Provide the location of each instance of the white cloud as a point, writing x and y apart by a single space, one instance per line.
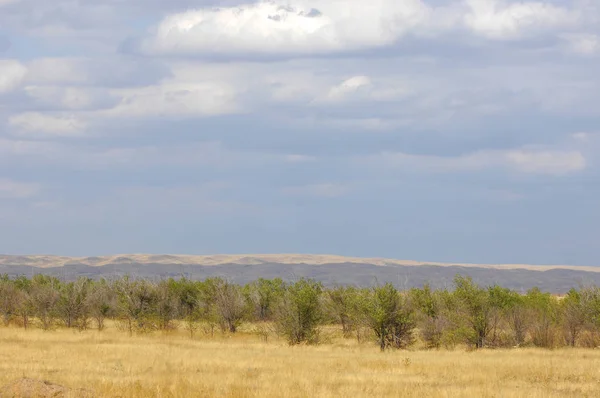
363 88
281 27
176 99
348 88
582 43
12 74
547 162
496 19
39 124
17 190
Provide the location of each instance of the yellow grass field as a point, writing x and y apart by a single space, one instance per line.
113 364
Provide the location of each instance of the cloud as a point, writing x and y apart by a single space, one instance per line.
6 2
39 124
547 162
500 20
176 99
541 162
349 88
297 27
10 189
72 98
58 70
12 74
311 27
363 88
586 44
108 71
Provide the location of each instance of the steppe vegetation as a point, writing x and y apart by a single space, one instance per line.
138 338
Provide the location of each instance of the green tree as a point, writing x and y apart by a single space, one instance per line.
300 312
431 318
544 315
262 296
476 310
340 303
390 317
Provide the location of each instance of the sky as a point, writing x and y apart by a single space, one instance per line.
433 130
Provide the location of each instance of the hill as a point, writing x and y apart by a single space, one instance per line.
329 269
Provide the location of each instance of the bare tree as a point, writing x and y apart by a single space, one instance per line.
101 303
230 304
9 300
72 305
44 297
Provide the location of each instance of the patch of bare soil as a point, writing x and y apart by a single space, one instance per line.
32 388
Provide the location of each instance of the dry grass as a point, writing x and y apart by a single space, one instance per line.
113 364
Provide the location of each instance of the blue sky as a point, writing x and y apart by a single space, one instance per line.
464 130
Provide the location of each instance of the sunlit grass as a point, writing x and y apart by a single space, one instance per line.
111 363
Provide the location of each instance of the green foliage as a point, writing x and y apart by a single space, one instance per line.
341 303
544 310
432 320
300 312
389 316
261 297
476 309
480 317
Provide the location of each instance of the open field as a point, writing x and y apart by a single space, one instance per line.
112 364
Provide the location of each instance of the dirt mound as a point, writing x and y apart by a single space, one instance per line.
32 388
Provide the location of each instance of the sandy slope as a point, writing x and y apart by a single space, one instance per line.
244 259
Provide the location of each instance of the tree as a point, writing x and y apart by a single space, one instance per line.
503 304
24 307
574 316
167 306
262 296
544 314
189 303
340 304
101 302
9 300
430 316
518 317
390 317
300 312
477 310
44 298
72 305
230 304
136 304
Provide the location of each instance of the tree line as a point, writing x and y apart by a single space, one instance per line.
465 314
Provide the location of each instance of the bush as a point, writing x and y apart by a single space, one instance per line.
300 312
390 318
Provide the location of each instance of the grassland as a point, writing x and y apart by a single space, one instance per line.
113 364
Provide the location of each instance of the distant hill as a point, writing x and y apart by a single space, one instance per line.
331 270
